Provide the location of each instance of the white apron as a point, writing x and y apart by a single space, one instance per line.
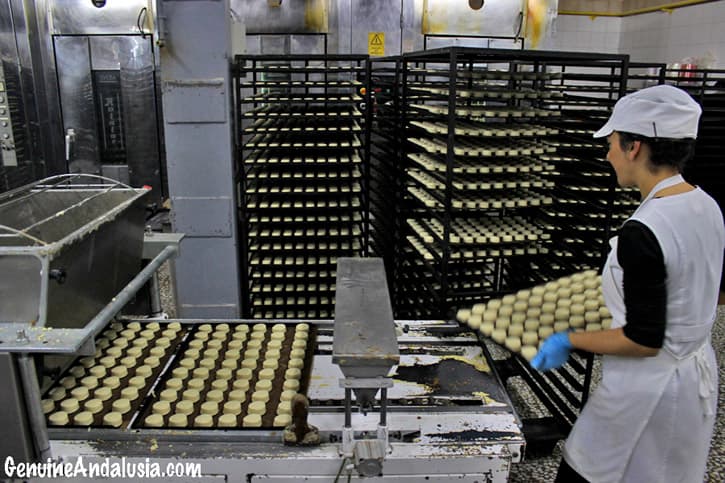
651 418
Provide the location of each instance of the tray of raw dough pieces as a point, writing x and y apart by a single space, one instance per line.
106 389
232 376
522 321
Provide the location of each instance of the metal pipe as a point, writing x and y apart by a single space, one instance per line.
155 290
348 407
383 406
128 292
33 405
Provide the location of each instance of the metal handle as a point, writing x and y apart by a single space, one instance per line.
70 139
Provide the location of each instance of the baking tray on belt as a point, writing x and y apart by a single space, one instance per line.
174 353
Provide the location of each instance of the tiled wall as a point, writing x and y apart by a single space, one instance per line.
696 32
582 34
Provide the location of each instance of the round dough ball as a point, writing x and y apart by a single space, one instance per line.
531 325
561 326
291 385
137 381
186 362
250 363
234 347
196 384
284 407
174 383
69 405
593 327
550 297
81 393
163 342
545 332
474 321
539 290
120 342
258 336
533 313
578 298
208 363
292 374
478 309
257 407
154 421
152 361
209 407
161 408
489 316
297 363
552 286
224 374
217 396
220 384
180 372
244 373
174 326
244 328
548 308
604 313
78 371
107 362
228 420
493 305
535 301
503 323
606 323
112 381
94 406
260 396
232 407
205 328
546 319
563 303
520 306
282 420
279 328
168 395
515 330
591 294
263 385
240 336
237 395
505 311
185 407
277 344
59 418
561 314
530 338
301 344
487 329
578 278
130 393
254 344
134 352
577 309
241 384
48 405
259 328
287 395
113 419
83 418
219 336
523 295
120 372
564 293
576 321
90 382
513 344
121 406
143 371
528 352
252 420
591 283
591 317
499 335
200 373
591 305
178 420
577 288
508 299
462 315
564 281
191 395
518 318
297 354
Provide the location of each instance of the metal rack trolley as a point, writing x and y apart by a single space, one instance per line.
302 170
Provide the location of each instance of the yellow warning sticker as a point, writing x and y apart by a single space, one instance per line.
376 43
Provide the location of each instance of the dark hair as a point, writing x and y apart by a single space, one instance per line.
664 151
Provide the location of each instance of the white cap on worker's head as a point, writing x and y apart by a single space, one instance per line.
657 112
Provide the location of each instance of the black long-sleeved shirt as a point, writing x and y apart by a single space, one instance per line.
644 284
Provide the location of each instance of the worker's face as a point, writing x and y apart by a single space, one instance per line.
621 160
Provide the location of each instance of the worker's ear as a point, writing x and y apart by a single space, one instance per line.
633 150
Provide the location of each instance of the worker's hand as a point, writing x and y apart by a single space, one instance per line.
553 353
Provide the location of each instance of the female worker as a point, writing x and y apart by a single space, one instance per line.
651 418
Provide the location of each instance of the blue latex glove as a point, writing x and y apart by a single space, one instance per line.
553 353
